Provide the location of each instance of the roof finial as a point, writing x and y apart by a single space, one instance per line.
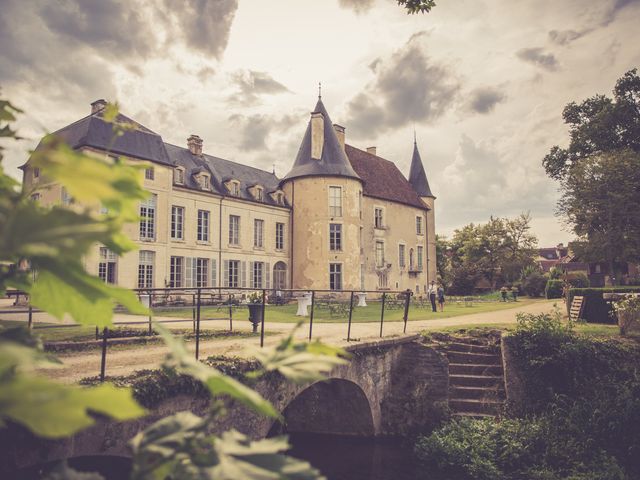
274 169
415 139
319 90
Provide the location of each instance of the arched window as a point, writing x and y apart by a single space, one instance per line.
279 276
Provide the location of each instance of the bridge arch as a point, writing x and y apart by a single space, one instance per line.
334 406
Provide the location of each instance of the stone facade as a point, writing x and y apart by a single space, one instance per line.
222 224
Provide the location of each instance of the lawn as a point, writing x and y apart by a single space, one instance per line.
590 329
371 313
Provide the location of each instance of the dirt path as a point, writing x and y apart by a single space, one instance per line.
123 361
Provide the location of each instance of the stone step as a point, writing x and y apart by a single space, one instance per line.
488 393
470 340
475 358
475 406
475 380
474 369
470 348
475 415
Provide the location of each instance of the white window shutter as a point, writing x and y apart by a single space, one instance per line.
267 275
225 274
243 283
214 273
251 284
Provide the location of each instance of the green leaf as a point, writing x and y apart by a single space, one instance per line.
217 383
299 362
53 410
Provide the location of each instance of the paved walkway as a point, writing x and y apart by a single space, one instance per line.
76 366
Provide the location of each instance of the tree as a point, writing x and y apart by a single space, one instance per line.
599 125
417 6
601 203
442 260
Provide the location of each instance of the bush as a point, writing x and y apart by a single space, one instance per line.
533 284
578 280
554 288
595 309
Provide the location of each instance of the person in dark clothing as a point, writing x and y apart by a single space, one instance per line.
441 298
432 296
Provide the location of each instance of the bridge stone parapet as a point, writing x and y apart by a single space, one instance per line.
390 387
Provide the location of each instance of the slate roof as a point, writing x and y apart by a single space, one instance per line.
93 131
222 170
382 179
417 175
334 162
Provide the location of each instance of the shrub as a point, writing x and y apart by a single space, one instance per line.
533 284
554 288
595 309
578 280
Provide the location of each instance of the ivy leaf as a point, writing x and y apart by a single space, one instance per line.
20 350
299 362
217 383
53 410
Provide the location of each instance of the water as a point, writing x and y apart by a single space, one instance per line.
356 458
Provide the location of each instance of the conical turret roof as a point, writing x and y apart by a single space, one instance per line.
417 175
333 161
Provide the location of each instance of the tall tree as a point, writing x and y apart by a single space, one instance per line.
598 125
601 202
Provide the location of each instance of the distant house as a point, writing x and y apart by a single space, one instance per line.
564 259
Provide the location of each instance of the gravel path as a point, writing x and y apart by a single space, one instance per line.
76 366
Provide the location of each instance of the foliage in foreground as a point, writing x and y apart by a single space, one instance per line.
581 419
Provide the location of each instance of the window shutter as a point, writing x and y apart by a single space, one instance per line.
267 271
251 284
225 274
189 270
214 273
243 282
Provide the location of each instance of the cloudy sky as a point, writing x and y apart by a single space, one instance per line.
483 82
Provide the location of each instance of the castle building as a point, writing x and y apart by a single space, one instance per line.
341 219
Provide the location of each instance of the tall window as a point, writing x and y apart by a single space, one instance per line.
234 188
335 201
379 254
258 233
234 230
202 272
149 174
257 275
176 272
107 266
419 259
178 176
378 218
203 226
148 218
419 225
234 273
335 276
401 249
177 222
145 269
382 280
411 259
259 194
279 236
335 237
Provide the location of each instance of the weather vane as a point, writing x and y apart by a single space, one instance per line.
319 89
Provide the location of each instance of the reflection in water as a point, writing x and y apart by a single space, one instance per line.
356 458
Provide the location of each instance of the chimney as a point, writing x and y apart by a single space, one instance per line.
194 142
339 129
371 150
98 105
317 135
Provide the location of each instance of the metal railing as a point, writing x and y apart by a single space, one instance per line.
335 303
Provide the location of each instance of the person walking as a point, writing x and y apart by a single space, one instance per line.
503 291
515 292
441 297
432 296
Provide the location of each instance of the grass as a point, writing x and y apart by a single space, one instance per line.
371 313
590 329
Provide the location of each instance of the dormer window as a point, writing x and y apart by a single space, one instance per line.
259 194
178 176
234 187
203 181
278 197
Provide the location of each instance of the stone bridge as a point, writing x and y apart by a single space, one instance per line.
390 387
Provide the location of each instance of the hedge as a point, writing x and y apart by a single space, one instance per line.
595 309
553 289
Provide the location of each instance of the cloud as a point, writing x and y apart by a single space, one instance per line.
485 99
358 6
565 37
251 85
203 24
255 130
538 57
408 87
